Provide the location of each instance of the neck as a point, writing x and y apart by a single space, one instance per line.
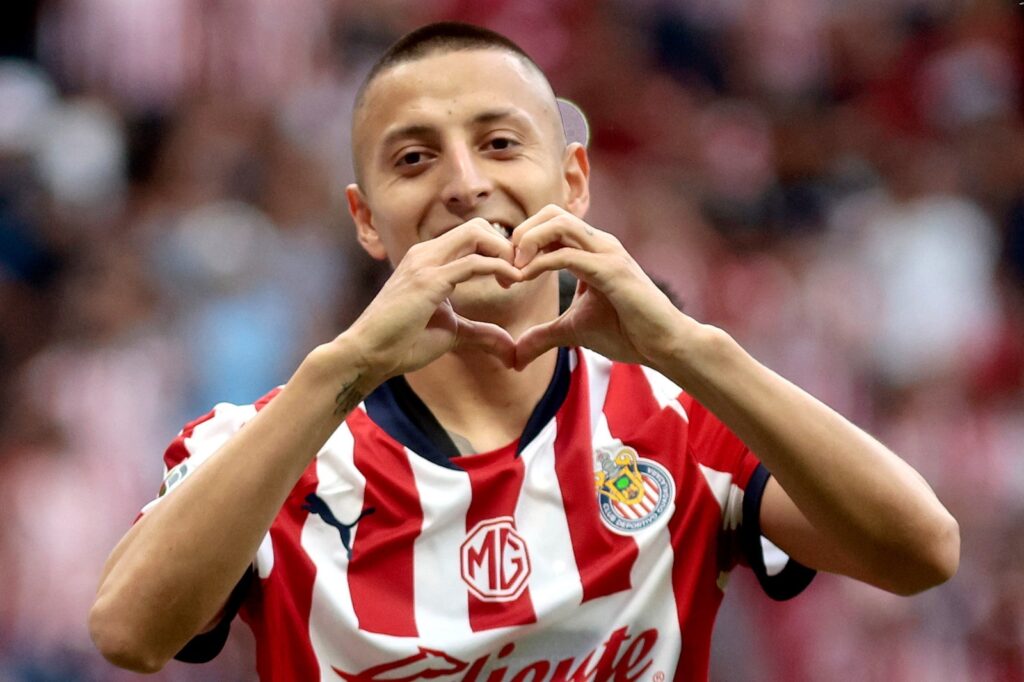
481 400
473 395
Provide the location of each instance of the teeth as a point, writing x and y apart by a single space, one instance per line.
504 231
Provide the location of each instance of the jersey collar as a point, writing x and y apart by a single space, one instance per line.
396 408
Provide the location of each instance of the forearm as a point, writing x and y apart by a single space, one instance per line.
174 570
863 499
871 514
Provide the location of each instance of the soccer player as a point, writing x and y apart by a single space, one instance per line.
468 484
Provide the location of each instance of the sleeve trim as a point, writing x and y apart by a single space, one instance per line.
794 576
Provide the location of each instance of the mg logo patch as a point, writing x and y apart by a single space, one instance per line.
495 561
632 493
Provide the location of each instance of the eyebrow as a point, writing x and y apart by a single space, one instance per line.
423 130
495 115
415 130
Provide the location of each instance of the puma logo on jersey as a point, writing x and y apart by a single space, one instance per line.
315 505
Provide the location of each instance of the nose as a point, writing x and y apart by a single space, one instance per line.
466 184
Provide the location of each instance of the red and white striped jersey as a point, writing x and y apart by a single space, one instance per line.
597 546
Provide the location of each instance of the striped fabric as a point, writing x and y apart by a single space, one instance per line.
504 566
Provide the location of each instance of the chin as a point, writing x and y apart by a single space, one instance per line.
484 300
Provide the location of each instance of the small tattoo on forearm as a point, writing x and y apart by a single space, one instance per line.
348 397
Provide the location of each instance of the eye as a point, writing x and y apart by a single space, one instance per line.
501 144
413 157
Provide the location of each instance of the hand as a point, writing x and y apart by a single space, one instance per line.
410 322
617 311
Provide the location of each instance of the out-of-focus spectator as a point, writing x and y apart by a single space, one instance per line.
80 158
838 185
89 412
930 254
149 55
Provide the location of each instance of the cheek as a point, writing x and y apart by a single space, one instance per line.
397 243
536 190
548 193
398 219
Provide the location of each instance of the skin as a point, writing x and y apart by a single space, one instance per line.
471 319
456 166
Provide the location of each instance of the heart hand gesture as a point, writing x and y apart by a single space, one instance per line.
617 311
410 322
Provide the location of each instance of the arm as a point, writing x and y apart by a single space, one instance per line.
839 501
173 571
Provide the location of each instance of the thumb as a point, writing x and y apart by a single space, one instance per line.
535 341
485 337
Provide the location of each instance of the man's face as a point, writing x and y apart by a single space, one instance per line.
455 136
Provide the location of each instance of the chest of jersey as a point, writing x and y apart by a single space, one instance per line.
589 554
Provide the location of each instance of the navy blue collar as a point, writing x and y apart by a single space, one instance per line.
399 411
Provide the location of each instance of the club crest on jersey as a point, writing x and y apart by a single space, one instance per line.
632 493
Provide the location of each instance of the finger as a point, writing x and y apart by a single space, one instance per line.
542 216
586 266
560 230
538 340
535 234
476 265
474 236
486 337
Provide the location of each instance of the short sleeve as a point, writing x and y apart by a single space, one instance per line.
196 442
738 481
190 449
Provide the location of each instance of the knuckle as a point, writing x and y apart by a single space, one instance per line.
415 252
422 277
483 232
417 282
559 220
623 262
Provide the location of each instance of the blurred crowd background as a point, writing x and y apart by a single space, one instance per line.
838 184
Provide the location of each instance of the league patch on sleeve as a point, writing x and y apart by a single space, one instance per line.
632 492
174 477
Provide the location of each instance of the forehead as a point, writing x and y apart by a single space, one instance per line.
443 87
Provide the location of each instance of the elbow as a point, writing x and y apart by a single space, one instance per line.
945 551
936 561
116 641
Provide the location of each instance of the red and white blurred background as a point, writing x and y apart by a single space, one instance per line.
838 184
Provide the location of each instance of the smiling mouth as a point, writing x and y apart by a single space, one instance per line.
502 229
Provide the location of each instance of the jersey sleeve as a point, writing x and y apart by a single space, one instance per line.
189 450
196 442
738 481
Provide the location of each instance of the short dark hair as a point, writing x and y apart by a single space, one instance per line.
441 36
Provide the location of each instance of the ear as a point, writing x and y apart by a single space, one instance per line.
366 233
576 173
